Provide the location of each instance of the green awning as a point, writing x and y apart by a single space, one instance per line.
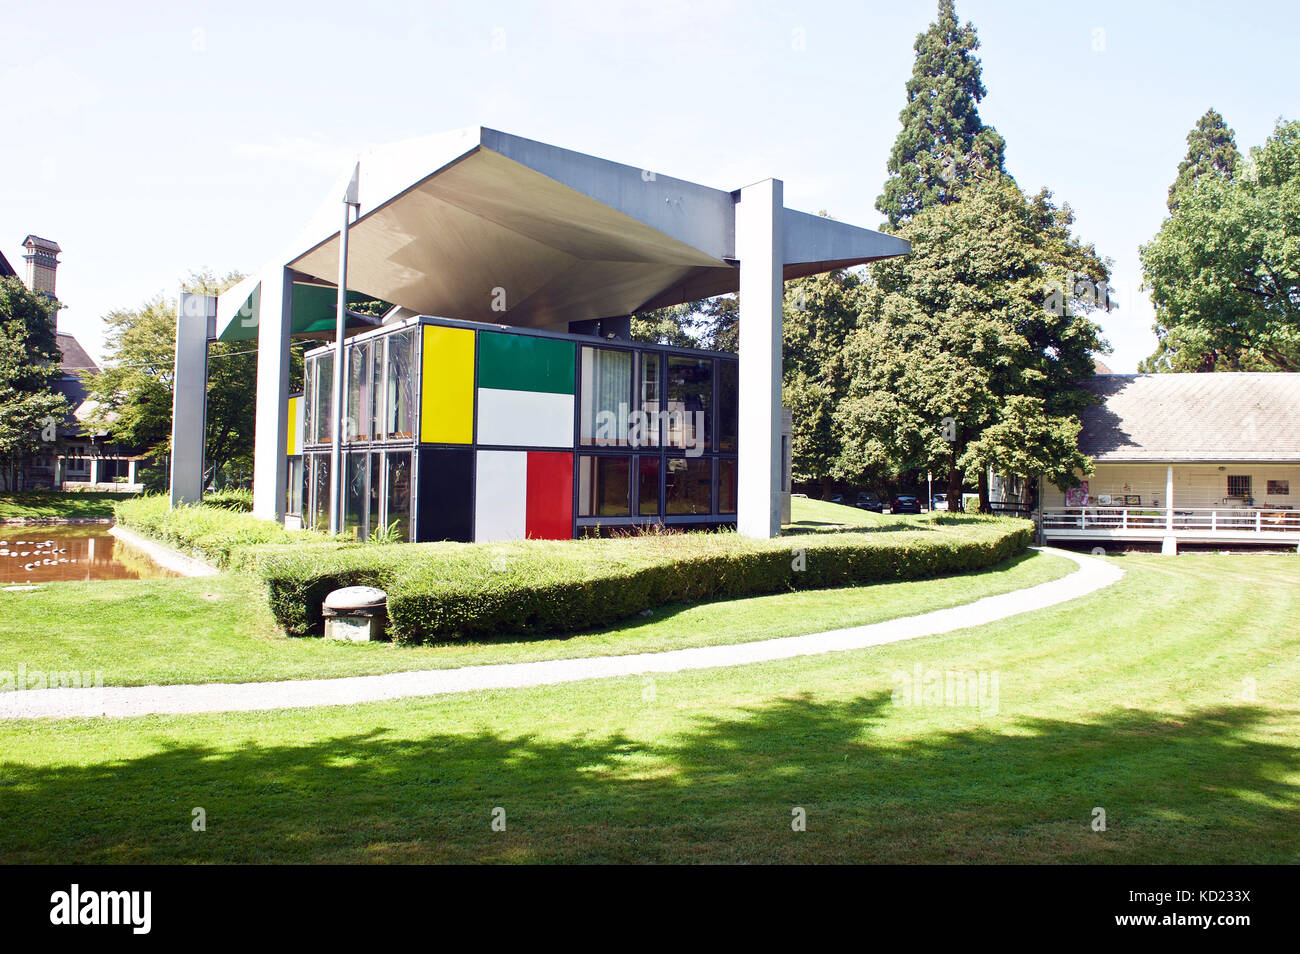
313 312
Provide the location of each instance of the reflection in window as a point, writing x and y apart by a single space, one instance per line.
603 486
726 486
688 485
373 524
690 402
293 499
651 398
399 413
308 401
354 505
324 397
304 491
647 485
377 390
321 492
606 396
728 404
357 419
399 492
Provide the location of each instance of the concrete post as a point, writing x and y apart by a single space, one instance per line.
271 434
94 471
189 396
759 215
1169 546
1169 497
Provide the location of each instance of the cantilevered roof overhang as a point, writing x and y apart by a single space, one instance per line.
480 225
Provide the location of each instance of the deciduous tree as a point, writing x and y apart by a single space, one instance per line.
30 408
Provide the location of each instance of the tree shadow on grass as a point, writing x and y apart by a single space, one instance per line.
1198 787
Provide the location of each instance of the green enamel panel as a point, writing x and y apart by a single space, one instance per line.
524 363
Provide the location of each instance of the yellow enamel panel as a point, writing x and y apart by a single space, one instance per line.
447 386
295 406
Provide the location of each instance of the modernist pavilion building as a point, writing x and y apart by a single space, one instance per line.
500 395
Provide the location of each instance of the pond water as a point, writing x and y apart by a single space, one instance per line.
49 554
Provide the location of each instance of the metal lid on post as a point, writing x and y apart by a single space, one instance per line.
356 598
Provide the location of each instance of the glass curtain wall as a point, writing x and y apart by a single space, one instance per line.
380 395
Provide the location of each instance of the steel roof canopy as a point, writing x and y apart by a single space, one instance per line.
481 225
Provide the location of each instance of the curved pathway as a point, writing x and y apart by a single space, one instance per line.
116 702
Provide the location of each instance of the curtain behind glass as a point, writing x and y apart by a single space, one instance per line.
607 391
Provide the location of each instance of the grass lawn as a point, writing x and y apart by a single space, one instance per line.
218 629
1170 700
809 514
39 504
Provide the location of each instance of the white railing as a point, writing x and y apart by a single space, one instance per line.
1260 520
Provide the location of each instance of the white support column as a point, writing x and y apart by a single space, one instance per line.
1169 497
189 396
270 440
94 471
1169 546
759 247
130 470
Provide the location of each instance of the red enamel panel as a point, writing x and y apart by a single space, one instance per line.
550 496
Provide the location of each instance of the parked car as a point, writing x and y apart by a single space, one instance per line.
869 501
905 503
939 502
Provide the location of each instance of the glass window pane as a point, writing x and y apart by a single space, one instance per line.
324 397
726 486
401 386
648 486
688 487
304 490
321 492
354 505
376 482
603 486
728 404
606 396
399 492
357 421
690 403
309 401
651 384
377 390
293 497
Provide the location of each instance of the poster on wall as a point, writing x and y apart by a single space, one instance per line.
1077 496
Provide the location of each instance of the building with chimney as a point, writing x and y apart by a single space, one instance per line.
77 459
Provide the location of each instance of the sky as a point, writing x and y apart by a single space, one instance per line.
155 139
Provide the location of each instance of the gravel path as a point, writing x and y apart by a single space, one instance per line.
116 702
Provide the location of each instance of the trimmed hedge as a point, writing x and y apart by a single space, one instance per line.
439 592
221 536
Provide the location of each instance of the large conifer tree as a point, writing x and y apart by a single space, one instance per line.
943 144
1211 150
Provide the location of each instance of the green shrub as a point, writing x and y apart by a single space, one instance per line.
223 537
441 592
238 500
